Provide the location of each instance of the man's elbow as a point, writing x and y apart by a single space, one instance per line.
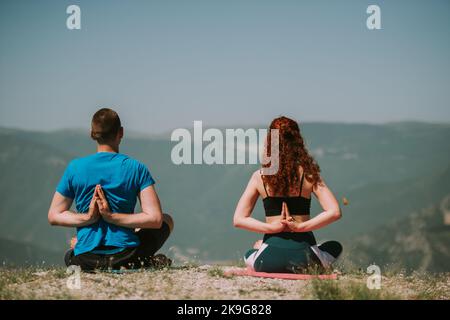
237 223
158 222
51 219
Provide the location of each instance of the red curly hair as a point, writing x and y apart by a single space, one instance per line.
292 155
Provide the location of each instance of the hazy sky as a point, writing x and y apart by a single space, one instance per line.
164 64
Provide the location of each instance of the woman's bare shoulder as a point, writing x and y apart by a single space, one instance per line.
257 181
256 176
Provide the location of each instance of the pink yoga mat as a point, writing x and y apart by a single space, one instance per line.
286 276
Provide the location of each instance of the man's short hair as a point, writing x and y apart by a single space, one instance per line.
105 126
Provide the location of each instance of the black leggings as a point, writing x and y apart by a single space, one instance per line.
151 240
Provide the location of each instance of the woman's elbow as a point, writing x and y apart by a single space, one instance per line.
337 214
237 223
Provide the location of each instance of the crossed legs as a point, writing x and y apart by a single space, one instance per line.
151 240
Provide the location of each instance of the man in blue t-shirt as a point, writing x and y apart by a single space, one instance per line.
105 187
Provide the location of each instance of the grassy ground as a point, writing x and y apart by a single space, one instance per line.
210 282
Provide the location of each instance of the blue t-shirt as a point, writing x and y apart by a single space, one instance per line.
121 178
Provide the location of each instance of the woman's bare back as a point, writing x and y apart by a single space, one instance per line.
306 192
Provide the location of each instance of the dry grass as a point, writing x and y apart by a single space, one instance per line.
209 282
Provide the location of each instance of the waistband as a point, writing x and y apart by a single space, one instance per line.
107 250
292 240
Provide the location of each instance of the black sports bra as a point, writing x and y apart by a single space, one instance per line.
297 205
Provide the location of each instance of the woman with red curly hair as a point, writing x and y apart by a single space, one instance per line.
289 245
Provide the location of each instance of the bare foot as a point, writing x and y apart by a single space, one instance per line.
257 244
73 242
160 261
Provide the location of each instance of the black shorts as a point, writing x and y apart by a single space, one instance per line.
151 240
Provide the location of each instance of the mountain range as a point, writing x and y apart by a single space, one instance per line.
388 172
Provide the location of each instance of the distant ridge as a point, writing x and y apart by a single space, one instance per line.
165 135
385 172
16 253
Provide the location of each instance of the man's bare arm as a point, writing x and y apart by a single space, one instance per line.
60 215
151 216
